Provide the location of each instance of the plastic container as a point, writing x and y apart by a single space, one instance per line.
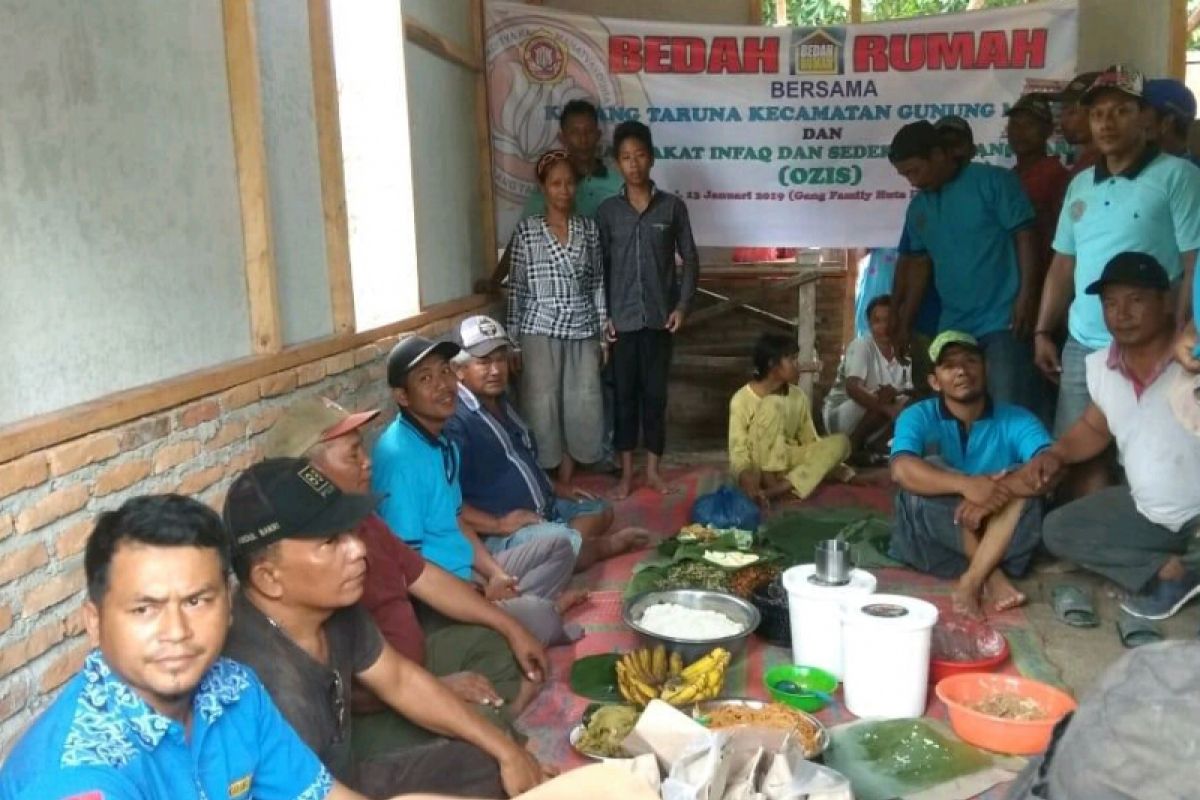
887 656
815 613
807 678
961 644
1012 736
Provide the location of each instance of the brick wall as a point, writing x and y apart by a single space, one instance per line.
50 498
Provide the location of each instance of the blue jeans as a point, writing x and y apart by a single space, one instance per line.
1073 396
530 533
567 510
1011 375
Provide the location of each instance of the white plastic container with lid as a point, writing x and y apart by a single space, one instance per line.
887 655
815 612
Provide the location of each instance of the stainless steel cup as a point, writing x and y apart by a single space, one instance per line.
833 562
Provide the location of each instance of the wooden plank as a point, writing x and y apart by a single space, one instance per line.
848 305
708 271
725 304
806 330
754 15
855 12
1177 56
781 14
44 430
696 360
440 46
245 98
483 139
333 177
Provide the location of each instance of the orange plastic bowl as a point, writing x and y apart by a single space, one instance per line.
1015 737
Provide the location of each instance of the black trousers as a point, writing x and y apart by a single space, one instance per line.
641 362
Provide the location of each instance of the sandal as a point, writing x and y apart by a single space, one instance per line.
1136 631
1073 606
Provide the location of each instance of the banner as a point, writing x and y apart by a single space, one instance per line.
773 136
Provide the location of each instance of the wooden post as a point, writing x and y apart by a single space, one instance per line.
781 15
806 326
483 136
333 177
754 9
855 12
1177 58
245 98
848 327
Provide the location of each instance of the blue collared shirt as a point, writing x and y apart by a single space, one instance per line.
966 227
1006 435
100 741
419 475
500 470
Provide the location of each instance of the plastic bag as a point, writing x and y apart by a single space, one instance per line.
727 507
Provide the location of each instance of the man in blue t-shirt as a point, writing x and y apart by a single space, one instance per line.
959 514
975 224
156 713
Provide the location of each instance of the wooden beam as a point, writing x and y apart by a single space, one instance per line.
848 298
333 176
725 305
806 330
754 9
45 430
855 12
1177 57
440 46
483 139
245 98
781 15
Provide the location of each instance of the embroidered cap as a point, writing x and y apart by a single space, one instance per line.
289 498
309 422
1119 77
1035 105
1132 269
481 336
948 338
1073 92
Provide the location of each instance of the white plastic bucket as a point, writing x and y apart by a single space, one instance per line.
815 613
887 655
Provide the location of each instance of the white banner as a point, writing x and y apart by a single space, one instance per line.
773 136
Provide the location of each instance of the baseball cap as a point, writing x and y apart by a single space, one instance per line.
913 140
1073 92
1169 96
481 336
412 351
289 498
957 124
1119 77
948 338
1035 105
309 421
1132 269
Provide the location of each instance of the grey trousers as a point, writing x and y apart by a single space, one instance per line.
544 568
561 398
925 536
1105 533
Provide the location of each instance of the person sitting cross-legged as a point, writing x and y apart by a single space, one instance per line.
961 512
507 497
483 655
297 622
1136 535
774 449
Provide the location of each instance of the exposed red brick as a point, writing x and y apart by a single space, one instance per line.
310 373
197 413
339 363
50 592
6 618
22 561
216 500
368 352
73 539
240 462
39 641
278 383
265 419
144 431
172 455
64 666
55 505
16 696
240 396
121 476
228 433
23 473
196 482
67 458
6 525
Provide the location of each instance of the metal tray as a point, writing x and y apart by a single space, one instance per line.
770 739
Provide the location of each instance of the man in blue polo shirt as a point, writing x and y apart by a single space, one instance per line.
959 514
417 468
1136 199
974 222
507 497
156 713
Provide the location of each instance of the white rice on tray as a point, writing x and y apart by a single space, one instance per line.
680 622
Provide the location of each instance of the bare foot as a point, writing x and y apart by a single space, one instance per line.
569 599
624 487
1002 595
965 601
655 482
627 540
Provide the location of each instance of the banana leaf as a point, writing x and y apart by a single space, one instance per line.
595 677
796 534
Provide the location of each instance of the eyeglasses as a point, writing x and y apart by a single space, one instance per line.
337 700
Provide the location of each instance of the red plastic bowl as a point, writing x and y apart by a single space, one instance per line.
1016 737
961 645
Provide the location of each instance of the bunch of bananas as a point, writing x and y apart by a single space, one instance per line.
647 674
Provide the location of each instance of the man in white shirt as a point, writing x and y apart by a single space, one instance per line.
1136 534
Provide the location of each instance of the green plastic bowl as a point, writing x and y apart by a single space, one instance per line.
807 678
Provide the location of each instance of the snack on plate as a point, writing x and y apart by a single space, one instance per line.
644 675
693 575
730 558
605 730
1006 705
745 582
775 715
697 532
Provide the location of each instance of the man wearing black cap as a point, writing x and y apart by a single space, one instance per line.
1134 199
1133 534
416 468
1174 112
1073 120
297 622
975 225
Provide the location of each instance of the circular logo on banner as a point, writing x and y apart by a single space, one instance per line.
536 65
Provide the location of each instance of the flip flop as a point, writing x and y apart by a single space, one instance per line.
1073 606
1136 631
